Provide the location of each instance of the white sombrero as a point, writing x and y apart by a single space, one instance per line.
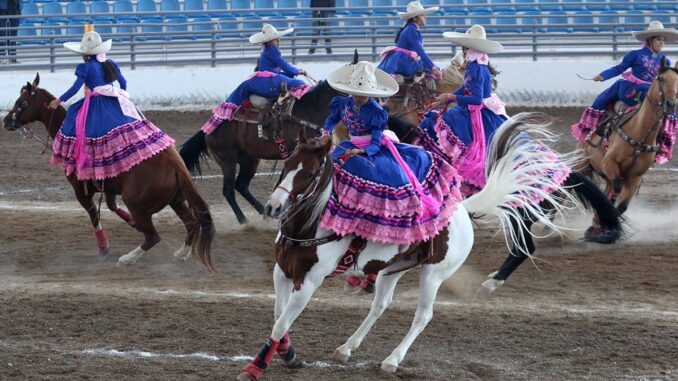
656 29
363 79
268 33
474 38
91 44
415 9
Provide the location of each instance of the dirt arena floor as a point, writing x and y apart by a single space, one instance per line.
586 312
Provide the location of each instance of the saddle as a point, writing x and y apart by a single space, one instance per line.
614 118
260 111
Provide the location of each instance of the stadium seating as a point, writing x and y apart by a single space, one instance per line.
124 6
581 18
259 5
54 10
242 8
507 22
203 24
557 21
479 6
215 8
607 20
291 5
634 20
194 6
75 7
170 6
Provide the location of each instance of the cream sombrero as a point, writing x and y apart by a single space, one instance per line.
363 79
91 44
474 38
415 9
268 33
657 29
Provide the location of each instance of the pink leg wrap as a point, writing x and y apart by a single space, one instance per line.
369 280
102 241
353 281
285 349
256 368
122 213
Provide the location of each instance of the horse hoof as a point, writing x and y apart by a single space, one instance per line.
489 286
340 357
389 368
122 263
602 235
104 252
245 377
293 363
492 275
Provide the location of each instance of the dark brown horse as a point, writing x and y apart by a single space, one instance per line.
146 189
233 144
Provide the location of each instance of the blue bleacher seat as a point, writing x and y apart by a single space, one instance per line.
573 5
101 7
303 25
479 6
663 16
291 5
383 25
624 6
203 24
581 19
507 22
361 4
147 29
402 4
124 6
250 25
454 5
456 17
341 7
435 23
176 28
557 22
51 28
550 5
526 5
194 5
259 5
104 27
75 28
607 20
170 6
355 26
634 20
279 22
124 29
27 30
502 6
668 7
75 7
54 9
531 18
483 19
228 27
383 3
31 9
215 8
242 6
643 7
596 7
147 6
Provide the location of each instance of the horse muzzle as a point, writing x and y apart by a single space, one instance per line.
9 123
669 106
273 209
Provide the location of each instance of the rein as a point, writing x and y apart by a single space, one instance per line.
27 131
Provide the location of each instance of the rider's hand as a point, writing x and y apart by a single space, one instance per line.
444 99
598 78
302 72
355 151
325 139
437 73
54 104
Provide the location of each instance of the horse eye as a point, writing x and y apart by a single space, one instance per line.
24 104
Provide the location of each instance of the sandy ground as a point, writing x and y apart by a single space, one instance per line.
586 312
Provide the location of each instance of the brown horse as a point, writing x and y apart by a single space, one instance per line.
633 146
146 189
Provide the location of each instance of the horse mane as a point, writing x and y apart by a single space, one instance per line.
453 76
664 69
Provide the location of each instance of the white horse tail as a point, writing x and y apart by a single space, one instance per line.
519 167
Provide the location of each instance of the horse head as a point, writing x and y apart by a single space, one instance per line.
305 174
29 107
667 87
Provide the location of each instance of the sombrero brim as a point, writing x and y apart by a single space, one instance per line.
425 11
260 38
77 47
670 35
386 85
485 46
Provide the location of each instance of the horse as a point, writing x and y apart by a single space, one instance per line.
633 145
306 254
146 188
236 144
608 220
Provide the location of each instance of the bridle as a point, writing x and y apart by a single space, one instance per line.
27 131
305 194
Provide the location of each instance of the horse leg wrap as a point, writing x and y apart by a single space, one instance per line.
122 213
368 283
102 241
285 349
256 368
353 281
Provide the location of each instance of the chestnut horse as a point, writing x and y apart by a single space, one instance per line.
306 254
633 146
146 189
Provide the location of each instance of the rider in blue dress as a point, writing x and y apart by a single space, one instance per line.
271 76
409 58
103 134
634 84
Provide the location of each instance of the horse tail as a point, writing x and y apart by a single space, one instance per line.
516 174
593 199
194 150
201 240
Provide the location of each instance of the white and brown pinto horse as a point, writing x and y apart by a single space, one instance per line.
306 254
633 146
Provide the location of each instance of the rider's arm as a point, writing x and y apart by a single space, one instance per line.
377 125
415 40
335 115
471 92
626 63
81 73
286 68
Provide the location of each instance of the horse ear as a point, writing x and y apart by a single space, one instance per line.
327 147
28 86
355 57
301 137
36 81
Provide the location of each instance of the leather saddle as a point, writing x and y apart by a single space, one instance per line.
615 116
260 111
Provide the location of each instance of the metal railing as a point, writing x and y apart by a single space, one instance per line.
223 40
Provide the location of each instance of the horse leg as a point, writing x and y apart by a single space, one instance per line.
296 304
248 168
181 209
627 192
122 213
383 297
515 258
283 290
229 169
86 200
144 222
